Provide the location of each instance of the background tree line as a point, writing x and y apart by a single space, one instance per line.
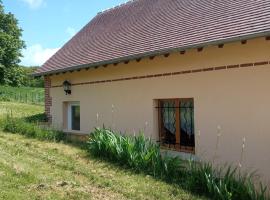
18 76
11 45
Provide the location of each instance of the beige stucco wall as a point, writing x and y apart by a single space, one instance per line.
237 100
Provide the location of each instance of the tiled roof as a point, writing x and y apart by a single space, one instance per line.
142 27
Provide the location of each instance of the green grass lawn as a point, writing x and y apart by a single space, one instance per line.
31 169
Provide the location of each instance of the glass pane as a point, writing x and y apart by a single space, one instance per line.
187 123
169 121
75 117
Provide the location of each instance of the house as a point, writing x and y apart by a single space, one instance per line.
193 75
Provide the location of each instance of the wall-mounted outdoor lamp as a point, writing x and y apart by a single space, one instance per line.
67 87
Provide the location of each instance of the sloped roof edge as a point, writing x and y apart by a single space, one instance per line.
153 53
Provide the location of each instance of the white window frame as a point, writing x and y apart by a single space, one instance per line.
70 104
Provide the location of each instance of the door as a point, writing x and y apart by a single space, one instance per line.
74 116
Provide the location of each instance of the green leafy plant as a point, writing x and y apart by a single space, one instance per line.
143 155
139 153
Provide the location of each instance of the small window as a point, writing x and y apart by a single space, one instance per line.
176 124
74 116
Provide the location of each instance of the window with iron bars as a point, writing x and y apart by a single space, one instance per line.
176 124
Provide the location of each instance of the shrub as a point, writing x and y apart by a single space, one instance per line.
20 126
141 154
36 118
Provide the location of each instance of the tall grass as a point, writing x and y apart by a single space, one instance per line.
139 153
143 155
225 183
32 130
22 94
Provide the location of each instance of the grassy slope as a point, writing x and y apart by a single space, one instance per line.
19 109
20 89
30 169
18 94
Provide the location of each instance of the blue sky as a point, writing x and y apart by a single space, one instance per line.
49 24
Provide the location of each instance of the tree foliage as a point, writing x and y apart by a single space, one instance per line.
22 76
29 80
11 45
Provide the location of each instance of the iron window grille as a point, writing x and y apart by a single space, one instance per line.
176 124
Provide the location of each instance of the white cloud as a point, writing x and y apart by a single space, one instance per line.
34 4
36 55
70 31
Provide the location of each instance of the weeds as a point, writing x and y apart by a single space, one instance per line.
138 153
41 117
141 154
16 125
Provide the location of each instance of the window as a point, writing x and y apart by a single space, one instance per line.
176 124
74 116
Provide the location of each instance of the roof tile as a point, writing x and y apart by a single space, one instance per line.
143 26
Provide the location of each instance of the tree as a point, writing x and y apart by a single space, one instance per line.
15 76
29 80
22 76
11 45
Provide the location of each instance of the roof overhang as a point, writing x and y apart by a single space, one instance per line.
153 53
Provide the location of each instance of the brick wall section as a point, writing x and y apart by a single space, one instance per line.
48 98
